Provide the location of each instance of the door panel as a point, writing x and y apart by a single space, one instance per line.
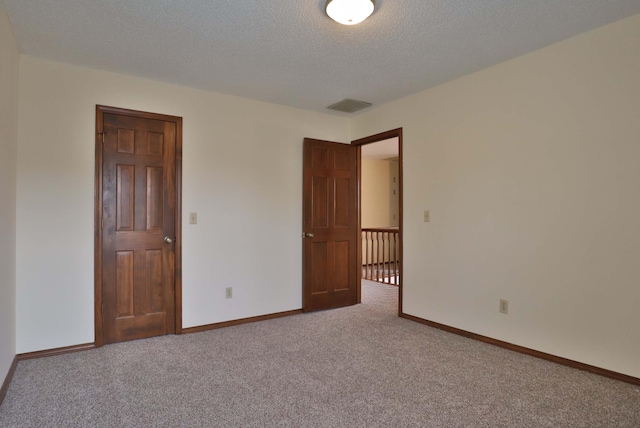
138 211
320 203
341 263
330 274
124 283
342 202
155 191
124 197
319 256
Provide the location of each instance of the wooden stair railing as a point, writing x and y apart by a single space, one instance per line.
380 255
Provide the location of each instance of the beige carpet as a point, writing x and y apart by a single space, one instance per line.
360 366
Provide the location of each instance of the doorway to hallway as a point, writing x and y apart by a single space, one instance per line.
380 208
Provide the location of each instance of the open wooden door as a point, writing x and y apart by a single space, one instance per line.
330 225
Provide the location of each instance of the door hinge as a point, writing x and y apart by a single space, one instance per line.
102 133
102 225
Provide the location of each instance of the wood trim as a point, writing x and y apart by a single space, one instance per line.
240 321
378 137
100 112
359 221
527 351
138 113
381 229
394 133
398 133
7 379
177 298
56 351
97 230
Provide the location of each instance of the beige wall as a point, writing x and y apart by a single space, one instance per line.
376 193
9 67
378 204
242 174
530 170
395 193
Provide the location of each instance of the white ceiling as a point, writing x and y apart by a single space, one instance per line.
289 52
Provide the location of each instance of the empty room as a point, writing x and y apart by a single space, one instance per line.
183 187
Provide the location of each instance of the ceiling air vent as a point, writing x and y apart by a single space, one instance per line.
349 106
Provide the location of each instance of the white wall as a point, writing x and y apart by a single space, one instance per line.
9 68
242 174
531 172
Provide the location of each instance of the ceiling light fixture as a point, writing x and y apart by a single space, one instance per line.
349 12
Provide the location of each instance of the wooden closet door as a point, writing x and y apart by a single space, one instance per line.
138 227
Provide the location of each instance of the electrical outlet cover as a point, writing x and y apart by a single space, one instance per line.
504 306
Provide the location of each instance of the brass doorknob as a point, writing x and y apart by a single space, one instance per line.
168 240
309 235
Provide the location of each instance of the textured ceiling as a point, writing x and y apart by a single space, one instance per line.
289 52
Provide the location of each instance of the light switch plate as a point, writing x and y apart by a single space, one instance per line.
193 218
427 216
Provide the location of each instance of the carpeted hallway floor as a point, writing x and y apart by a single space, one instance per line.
360 366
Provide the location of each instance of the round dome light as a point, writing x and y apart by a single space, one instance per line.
349 12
